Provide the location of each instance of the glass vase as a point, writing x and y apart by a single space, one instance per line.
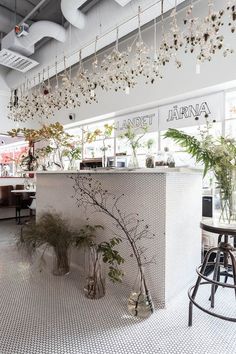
61 261
140 303
133 162
224 211
104 160
95 281
150 161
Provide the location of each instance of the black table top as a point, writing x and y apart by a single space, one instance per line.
218 228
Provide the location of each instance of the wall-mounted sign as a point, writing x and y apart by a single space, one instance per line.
192 112
137 120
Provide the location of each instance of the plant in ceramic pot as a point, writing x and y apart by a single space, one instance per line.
217 154
49 231
134 137
96 255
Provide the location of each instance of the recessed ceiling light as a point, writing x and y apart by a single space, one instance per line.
122 2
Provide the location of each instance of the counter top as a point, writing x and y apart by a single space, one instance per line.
162 170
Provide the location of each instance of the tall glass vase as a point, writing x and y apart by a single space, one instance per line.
133 162
140 303
224 211
104 159
95 281
61 260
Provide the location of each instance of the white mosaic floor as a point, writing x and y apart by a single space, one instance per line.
42 314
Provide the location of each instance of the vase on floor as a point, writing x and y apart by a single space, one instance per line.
95 278
61 261
140 303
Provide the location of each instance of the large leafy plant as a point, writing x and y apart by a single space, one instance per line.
217 154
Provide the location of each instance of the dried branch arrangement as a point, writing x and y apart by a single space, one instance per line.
90 195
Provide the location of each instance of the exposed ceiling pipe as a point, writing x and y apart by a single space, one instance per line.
71 13
37 31
32 11
43 29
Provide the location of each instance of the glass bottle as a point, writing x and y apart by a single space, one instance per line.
140 303
95 280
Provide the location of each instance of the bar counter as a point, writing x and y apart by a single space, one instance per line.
168 199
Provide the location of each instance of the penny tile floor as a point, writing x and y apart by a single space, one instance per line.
43 314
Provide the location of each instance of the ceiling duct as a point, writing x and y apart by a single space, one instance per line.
37 31
42 29
16 61
71 13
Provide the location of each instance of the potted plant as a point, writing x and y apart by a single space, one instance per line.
51 230
217 154
133 137
96 255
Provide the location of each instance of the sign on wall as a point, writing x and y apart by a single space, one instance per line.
191 112
137 120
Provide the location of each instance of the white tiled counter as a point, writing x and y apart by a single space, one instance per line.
169 200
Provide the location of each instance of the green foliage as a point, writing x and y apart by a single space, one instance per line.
57 140
113 258
50 230
86 235
86 238
134 135
217 154
150 143
104 133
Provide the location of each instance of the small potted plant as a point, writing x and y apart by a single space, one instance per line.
50 231
97 254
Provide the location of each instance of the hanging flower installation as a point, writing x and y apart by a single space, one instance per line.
122 70
116 69
141 63
84 84
231 7
204 36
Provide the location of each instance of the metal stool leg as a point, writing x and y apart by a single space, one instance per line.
203 268
233 268
215 276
